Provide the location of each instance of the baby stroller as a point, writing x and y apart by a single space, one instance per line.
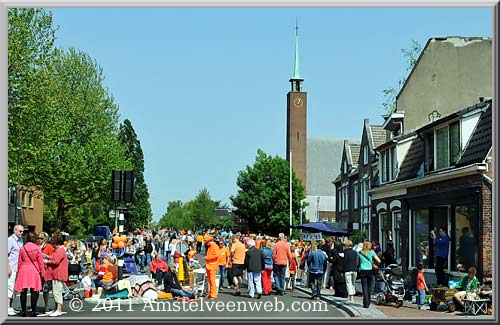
70 292
393 288
200 284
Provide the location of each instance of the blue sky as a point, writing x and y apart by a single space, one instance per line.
205 88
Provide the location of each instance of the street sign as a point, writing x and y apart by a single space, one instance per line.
113 213
308 236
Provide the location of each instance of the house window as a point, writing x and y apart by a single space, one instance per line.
447 145
388 164
356 194
23 198
429 162
442 148
394 163
339 196
30 199
12 195
344 167
365 155
365 185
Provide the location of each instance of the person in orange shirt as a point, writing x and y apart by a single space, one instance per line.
111 273
223 261
211 265
238 261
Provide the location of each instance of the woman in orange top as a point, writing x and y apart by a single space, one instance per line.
223 260
211 265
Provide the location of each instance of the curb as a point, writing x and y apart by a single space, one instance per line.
352 312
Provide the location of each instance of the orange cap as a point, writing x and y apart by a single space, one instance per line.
207 238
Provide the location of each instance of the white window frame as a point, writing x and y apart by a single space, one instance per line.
356 194
365 155
447 144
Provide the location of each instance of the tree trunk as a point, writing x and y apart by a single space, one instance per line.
60 222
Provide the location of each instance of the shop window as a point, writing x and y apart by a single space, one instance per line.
383 227
466 237
421 231
396 234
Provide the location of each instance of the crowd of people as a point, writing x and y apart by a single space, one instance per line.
267 264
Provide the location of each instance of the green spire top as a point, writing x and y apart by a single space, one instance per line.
296 74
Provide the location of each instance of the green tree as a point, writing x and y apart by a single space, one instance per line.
263 198
176 217
83 142
139 212
411 54
30 49
201 210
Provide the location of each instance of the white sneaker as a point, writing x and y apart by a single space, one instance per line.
55 314
12 312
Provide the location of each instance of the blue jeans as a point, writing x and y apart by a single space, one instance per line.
254 280
315 281
181 293
279 272
421 297
221 271
148 259
142 259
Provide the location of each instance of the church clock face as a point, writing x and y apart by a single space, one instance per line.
298 102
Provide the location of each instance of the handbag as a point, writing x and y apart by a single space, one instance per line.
36 267
375 266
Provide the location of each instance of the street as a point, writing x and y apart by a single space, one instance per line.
291 305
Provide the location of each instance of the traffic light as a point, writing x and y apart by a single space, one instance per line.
116 183
128 187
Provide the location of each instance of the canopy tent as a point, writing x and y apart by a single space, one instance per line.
322 227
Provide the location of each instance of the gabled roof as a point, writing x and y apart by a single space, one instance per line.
413 160
354 148
378 135
479 143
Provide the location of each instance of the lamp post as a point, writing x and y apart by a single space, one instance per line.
290 194
317 208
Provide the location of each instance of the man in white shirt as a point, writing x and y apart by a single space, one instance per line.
14 245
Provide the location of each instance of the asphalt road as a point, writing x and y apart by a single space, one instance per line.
291 305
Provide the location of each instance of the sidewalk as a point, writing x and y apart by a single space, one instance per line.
408 310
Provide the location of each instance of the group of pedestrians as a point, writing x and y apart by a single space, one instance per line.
36 266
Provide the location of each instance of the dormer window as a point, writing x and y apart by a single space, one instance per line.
447 145
388 164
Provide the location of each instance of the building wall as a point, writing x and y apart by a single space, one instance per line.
29 216
297 134
329 216
445 65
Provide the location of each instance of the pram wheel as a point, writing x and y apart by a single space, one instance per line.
399 303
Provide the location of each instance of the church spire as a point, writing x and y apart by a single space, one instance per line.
296 80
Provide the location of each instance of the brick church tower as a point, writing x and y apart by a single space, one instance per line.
296 130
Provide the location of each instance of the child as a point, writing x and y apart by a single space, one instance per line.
421 286
88 284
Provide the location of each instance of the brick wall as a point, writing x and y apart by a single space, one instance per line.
486 230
